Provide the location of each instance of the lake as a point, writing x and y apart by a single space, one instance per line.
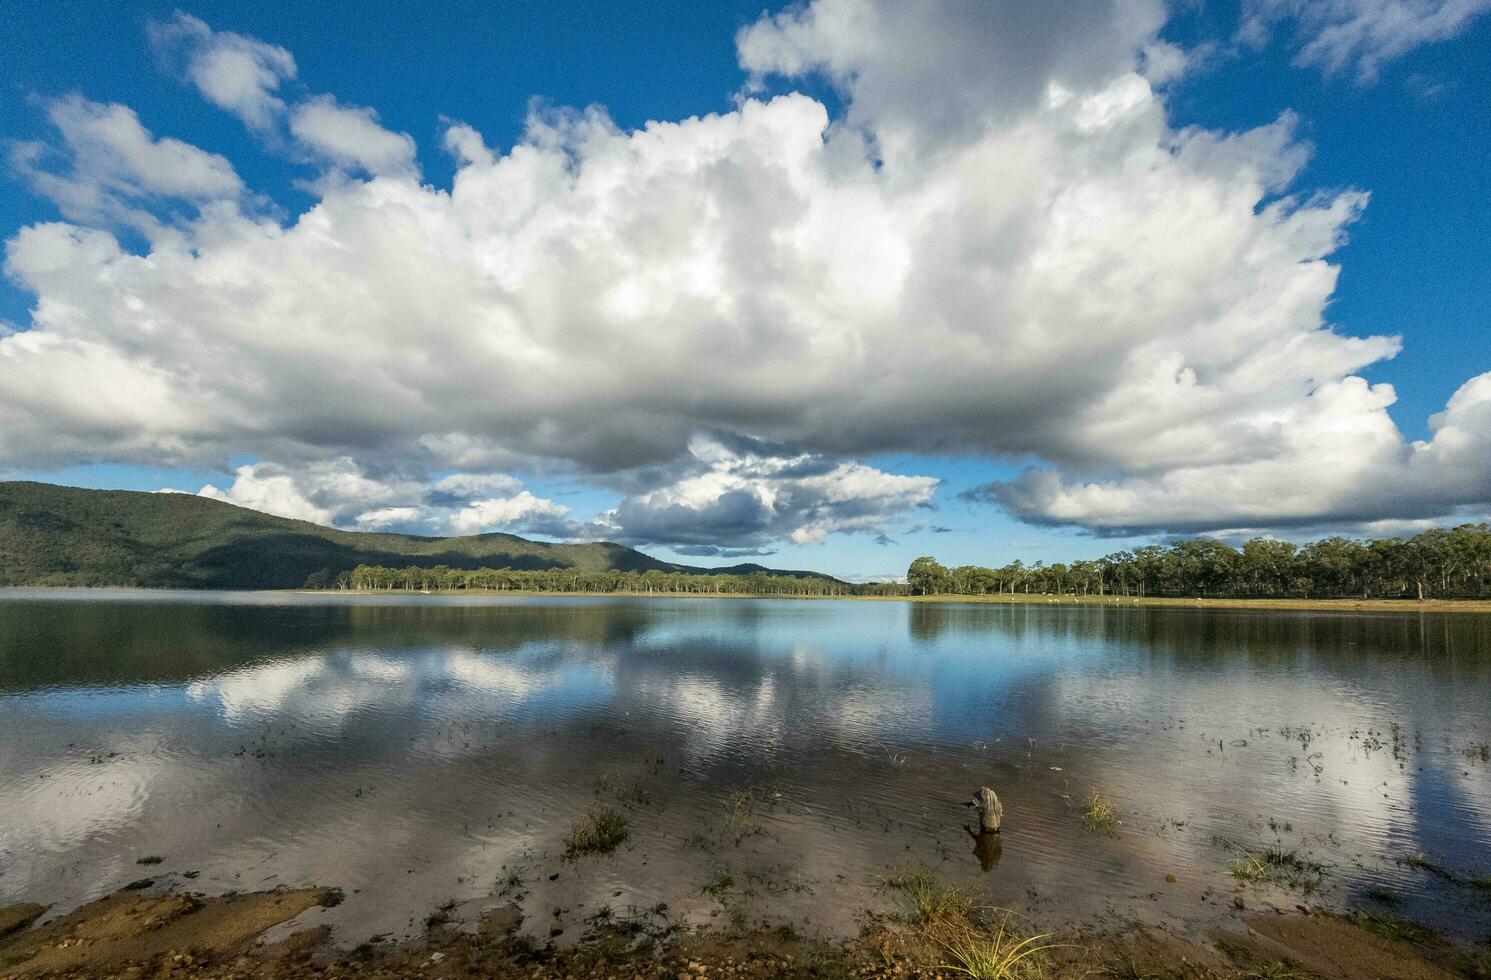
774 759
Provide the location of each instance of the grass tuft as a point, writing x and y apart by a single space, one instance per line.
933 902
601 831
1280 867
1100 814
1394 927
1002 954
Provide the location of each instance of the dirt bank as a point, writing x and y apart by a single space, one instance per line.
136 934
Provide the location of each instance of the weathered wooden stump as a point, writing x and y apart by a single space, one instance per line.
990 812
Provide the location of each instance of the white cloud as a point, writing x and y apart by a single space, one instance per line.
1004 250
744 496
522 509
231 71
350 137
338 492
1336 457
242 75
1338 35
109 169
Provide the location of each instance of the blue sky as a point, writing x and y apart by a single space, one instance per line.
1406 119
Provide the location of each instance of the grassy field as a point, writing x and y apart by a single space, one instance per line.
1311 605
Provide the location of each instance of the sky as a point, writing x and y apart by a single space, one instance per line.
829 285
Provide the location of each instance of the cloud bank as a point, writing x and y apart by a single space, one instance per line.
999 248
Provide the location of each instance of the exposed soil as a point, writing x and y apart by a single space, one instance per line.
135 934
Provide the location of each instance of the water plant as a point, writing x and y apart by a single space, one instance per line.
740 815
1278 866
1100 814
1395 927
601 831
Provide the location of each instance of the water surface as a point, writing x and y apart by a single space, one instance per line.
774 758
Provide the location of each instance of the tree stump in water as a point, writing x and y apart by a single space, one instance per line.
990 812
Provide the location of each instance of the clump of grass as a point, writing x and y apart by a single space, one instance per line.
1277 970
1479 750
740 816
601 831
933 902
512 883
1278 866
1422 862
1394 927
622 788
1418 860
1002 954
1100 814
719 884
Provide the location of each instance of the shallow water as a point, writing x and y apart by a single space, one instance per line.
422 751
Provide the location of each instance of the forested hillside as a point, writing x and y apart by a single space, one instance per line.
1440 563
55 535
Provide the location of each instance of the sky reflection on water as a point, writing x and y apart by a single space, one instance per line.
412 750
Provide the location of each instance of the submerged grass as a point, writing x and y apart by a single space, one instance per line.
601 831
1278 866
1422 862
1395 927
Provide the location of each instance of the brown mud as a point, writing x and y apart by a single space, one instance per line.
137 933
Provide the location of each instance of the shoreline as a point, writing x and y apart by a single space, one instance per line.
1302 605
1398 606
145 929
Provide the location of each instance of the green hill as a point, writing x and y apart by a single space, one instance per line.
56 535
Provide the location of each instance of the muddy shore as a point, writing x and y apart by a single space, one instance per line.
148 931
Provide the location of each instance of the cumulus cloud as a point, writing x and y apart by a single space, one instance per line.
1001 248
242 75
1339 35
1339 459
338 492
350 137
742 496
233 72
108 169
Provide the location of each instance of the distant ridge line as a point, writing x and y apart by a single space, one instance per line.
55 535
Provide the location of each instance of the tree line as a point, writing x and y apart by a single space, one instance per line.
442 578
1439 563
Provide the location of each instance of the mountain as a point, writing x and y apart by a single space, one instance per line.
56 535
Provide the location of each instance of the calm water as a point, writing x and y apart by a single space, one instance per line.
419 751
